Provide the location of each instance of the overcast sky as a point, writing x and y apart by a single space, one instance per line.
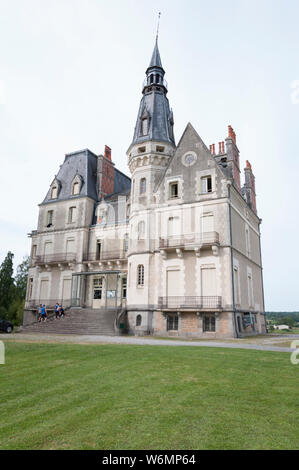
70 78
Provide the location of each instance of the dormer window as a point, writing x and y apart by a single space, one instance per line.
76 188
144 126
54 192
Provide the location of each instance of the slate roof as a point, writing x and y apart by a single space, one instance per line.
84 164
155 105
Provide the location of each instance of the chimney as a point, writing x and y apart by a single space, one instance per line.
212 149
248 189
233 157
232 134
107 152
105 174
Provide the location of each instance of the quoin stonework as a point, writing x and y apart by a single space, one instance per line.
172 251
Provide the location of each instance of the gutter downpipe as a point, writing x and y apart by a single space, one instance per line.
232 260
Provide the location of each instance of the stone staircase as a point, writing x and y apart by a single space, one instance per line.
77 321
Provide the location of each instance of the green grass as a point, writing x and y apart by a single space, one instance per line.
62 396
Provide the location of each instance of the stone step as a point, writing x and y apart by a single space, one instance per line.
77 321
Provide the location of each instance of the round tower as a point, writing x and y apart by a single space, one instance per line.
153 143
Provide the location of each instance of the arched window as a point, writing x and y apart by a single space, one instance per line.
76 188
157 78
140 275
142 186
138 320
54 192
151 78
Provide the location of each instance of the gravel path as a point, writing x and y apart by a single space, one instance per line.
86 339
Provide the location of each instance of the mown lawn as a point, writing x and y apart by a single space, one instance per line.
62 396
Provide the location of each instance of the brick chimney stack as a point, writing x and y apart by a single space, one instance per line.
233 157
248 189
105 173
107 152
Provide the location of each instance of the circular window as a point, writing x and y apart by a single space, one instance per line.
189 158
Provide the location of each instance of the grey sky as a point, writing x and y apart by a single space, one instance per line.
70 78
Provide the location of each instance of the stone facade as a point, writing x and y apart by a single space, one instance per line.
176 247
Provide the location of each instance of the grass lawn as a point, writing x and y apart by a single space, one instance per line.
63 396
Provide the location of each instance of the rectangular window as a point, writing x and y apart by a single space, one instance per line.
124 287
97 288
173 190
30 288
236 280
49 221
72 215
34 248
209 323
247 239
172 322
98 249
250 293
206 184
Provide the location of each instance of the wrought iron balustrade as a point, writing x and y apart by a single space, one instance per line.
53 258
105 255
206 238
196 302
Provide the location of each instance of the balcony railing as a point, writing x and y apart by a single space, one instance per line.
105 255
207 238
194 302
54 258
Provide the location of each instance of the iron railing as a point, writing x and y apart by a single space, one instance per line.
207 238
53 258
196 302
105 255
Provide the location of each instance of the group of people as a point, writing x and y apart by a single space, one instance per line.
43 314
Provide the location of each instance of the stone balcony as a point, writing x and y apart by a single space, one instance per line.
106 258
54 259
190 242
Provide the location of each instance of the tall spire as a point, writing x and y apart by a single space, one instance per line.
155 119
156 59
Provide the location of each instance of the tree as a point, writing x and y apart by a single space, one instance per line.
7 287
21 278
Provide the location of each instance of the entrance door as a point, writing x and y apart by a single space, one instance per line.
111 291
97 292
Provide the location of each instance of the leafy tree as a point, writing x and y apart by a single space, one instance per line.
21 278
7 287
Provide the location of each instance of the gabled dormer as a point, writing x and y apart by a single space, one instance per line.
55 189
77 184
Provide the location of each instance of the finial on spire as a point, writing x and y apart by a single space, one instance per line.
157 35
